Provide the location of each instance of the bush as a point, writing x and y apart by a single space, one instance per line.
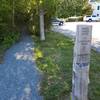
3 29
73 19
80 18
8 36
9 39
87 10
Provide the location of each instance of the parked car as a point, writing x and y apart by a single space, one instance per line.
57 21
91 18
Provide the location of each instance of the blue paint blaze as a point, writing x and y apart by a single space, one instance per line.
82 64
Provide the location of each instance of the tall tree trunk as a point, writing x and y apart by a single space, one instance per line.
13 14
42 34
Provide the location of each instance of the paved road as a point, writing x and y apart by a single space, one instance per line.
69 29
19 76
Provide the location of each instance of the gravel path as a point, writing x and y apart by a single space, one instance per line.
19 76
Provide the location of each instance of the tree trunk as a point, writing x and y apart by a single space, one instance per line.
42 34
13 14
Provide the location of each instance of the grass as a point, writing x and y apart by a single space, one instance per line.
54 58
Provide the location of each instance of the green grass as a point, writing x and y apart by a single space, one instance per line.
54 58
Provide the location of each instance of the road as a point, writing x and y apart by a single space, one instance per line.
69 29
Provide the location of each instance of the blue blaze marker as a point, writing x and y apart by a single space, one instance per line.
82 64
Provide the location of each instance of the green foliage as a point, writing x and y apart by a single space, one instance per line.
55 65
27 13
94 86
68 8
86 10
5 11
73 19
48 7
8 33
9 39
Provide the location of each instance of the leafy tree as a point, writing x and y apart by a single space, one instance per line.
86 10
67 8
47 7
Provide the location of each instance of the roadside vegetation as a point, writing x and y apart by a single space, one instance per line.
8 37
7 40
54 58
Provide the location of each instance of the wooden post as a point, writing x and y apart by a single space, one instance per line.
81 62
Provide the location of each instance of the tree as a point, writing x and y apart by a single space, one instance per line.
67 8
87 9
48 10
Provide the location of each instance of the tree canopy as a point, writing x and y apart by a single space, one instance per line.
67 8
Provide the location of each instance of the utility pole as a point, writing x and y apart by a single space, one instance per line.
81 62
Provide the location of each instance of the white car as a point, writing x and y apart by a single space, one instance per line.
91 18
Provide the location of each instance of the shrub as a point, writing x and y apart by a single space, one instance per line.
73 19
7 36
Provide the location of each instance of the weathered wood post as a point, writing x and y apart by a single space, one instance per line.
81 62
